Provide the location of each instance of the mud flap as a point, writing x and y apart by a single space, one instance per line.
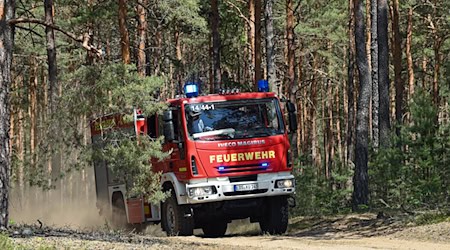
135 210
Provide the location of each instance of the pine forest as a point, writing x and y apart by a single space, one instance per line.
370 81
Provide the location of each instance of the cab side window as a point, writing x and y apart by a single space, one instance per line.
152 126
176 122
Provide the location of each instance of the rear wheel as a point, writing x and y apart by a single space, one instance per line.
215 228
174 219
275 220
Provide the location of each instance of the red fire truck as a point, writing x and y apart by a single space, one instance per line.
230 159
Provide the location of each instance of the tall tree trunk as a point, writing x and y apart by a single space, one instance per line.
437 68
172 81
409 55
350 126
374 70
211 66
301 120
52 90
292 86
157 55
142 37
16 136
290 46
51 53
329 139
397 57
368 32
337 101
216 44
179 67
33 103
124 37
328 117
424 66
7 10
437 43
270 51
258 73
88 36
315 153
361 178
383 72
251 41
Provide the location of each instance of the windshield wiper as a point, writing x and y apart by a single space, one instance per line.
226 131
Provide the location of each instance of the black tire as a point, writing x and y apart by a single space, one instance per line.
119 215
215 229
173 219
276 218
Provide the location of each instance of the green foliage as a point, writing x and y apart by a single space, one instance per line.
431 218
315 195
92 91
118 89
128 160
183 13
6 243
413 172
111 88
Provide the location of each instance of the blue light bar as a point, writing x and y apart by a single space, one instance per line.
263 85
221 168
264 164
191 89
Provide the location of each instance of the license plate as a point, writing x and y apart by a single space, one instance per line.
245 187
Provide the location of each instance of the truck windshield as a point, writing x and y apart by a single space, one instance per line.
234 119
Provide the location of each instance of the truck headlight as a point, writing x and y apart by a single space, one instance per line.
201 191
284 183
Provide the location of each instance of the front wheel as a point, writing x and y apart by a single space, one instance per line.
276 218
174 219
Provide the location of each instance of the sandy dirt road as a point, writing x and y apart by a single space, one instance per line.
346 232
286 242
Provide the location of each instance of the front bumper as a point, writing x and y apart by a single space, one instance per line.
224 189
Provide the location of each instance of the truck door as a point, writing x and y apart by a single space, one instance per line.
177 161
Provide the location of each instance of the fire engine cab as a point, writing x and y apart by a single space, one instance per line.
230 159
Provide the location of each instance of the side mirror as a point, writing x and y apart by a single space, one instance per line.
169 130
292 122
167 115
290 107
292 116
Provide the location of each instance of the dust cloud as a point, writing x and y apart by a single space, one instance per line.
71 204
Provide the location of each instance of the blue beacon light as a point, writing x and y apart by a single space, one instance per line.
263 85
191 89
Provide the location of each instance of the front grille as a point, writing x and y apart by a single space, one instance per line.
258 191
252 177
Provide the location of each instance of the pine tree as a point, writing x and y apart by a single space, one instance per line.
7 12
361 178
